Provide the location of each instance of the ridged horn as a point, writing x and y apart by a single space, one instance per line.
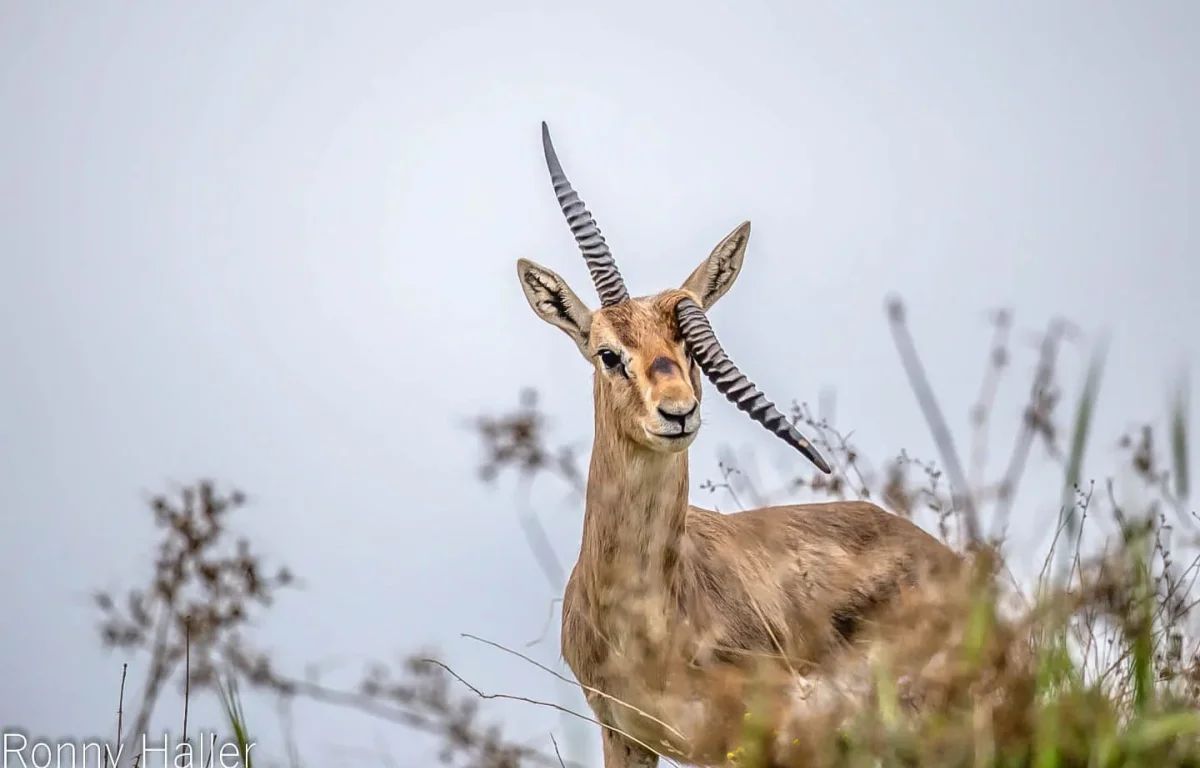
609 283
703 345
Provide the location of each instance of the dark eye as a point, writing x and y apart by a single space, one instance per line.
610 359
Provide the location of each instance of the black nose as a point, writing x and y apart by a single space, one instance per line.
678 418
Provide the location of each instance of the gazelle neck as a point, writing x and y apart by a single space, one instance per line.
634 525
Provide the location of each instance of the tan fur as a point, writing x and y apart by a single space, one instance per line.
683 617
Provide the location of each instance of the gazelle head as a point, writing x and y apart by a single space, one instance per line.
648 352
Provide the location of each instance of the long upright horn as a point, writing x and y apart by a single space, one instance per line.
702 343
609 283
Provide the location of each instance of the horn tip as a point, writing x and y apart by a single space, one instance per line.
820 463
810 452
548 149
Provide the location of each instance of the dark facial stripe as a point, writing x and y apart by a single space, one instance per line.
663 366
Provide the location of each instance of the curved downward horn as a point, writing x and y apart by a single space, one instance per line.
609 283
729 381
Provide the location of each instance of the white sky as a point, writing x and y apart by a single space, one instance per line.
274 243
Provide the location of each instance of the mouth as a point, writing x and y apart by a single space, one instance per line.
676 436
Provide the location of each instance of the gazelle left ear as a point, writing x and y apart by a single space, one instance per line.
553 300
716 274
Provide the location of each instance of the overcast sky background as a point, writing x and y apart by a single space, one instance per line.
274 243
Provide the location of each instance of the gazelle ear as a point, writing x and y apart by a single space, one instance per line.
554 301
716 274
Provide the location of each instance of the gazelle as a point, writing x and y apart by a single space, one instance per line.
671 610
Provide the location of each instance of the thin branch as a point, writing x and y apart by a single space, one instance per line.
581 686
539 703
120 713
187 673
556 752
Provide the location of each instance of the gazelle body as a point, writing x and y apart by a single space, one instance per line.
675 617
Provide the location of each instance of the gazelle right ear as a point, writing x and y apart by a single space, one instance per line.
554 301
716 273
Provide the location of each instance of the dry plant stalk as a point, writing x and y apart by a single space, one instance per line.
191 624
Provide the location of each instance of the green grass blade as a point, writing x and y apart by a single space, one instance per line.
231 703
1079 437
1153 733
1179 438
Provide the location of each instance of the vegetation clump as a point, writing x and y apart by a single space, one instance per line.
1093 664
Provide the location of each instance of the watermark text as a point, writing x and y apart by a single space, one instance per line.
20 750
